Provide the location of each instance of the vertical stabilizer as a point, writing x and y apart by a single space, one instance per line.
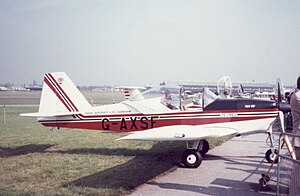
60 95
132 93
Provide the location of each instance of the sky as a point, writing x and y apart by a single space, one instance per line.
137 42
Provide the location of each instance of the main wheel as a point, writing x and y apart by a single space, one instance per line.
271 158
191 158
205 147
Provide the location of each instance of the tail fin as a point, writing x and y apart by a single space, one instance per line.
60 95
132 93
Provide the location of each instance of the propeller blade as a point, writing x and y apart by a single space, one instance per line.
279 97
242 88
282 106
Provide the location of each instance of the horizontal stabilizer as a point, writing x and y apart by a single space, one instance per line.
49 115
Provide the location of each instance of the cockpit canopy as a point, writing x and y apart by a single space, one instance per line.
161 91
175 97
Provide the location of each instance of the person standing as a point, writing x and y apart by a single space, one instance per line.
295 110
294 188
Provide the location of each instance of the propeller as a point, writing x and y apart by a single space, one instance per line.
282 106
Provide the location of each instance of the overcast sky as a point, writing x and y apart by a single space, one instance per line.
137 42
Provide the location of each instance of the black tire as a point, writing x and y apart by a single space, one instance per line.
205 148
191 158
270 158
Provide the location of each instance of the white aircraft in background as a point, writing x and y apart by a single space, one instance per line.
157 118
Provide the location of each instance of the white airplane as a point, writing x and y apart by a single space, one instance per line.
156 119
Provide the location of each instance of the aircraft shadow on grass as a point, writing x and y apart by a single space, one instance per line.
144 167
23 150
137 171
104 151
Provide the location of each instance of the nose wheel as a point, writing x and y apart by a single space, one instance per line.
271 157
191 158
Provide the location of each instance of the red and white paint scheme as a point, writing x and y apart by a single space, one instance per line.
62 105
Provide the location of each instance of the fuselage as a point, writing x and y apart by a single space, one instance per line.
125 116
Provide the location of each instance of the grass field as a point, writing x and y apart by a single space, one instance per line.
35 160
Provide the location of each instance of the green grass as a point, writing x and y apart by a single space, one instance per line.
35 160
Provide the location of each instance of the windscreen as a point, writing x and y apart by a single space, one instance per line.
208 97
170 95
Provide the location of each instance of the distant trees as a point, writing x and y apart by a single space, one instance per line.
7 84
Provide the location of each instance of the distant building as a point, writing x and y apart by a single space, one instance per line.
34 88
3 88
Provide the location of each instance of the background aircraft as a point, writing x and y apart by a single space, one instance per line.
148 117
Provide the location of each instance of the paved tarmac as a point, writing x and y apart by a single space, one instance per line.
232 168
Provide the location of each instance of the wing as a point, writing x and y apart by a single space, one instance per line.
180 132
